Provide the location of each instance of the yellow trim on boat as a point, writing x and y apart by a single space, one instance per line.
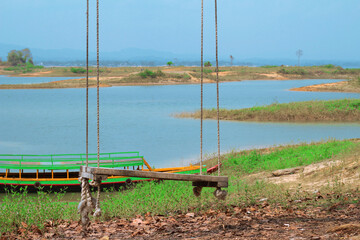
147 164
169 170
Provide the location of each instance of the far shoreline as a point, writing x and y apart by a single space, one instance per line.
179 75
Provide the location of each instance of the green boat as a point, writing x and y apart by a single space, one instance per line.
61 171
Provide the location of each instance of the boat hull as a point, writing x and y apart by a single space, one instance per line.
64 187
70 185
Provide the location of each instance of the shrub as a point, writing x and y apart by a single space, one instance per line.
328 66
298 71
187 76
147 73
207 64
269 66
159 73
78 70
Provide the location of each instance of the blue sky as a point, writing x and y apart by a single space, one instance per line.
323 29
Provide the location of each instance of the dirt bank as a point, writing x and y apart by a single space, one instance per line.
343 86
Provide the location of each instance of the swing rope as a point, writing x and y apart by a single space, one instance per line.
88 203
98 83
217 86
202 87
98 181
87 84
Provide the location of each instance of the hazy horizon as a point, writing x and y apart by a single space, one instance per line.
247 29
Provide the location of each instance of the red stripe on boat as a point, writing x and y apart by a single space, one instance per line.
214 168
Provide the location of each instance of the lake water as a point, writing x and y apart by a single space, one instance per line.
139 119
29 80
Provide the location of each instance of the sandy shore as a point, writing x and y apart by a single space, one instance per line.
342 86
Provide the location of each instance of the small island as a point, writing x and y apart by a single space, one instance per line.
344 110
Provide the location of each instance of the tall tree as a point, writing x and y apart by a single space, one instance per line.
13 58
21 57
27 55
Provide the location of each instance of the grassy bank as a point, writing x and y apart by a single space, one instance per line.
169 197
145 77
25 68
186 75
345 110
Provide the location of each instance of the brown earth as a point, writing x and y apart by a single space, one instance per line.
274 76
343 86
35 74
257 222
221 74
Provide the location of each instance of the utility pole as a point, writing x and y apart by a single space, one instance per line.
299 53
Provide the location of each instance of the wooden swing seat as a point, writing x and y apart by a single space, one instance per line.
198 180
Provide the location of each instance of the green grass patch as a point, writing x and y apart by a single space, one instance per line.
26 68
19 208
330 66
255 161
332 110
78 70
269 66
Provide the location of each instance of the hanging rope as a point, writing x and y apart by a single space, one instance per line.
202 87
217 86
97 182
87 83
98 83
88 203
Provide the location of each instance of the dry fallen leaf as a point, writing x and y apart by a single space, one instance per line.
136 222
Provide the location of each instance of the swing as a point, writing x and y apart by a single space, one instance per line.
98 174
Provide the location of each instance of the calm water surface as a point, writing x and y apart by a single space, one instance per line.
29 80
139 119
